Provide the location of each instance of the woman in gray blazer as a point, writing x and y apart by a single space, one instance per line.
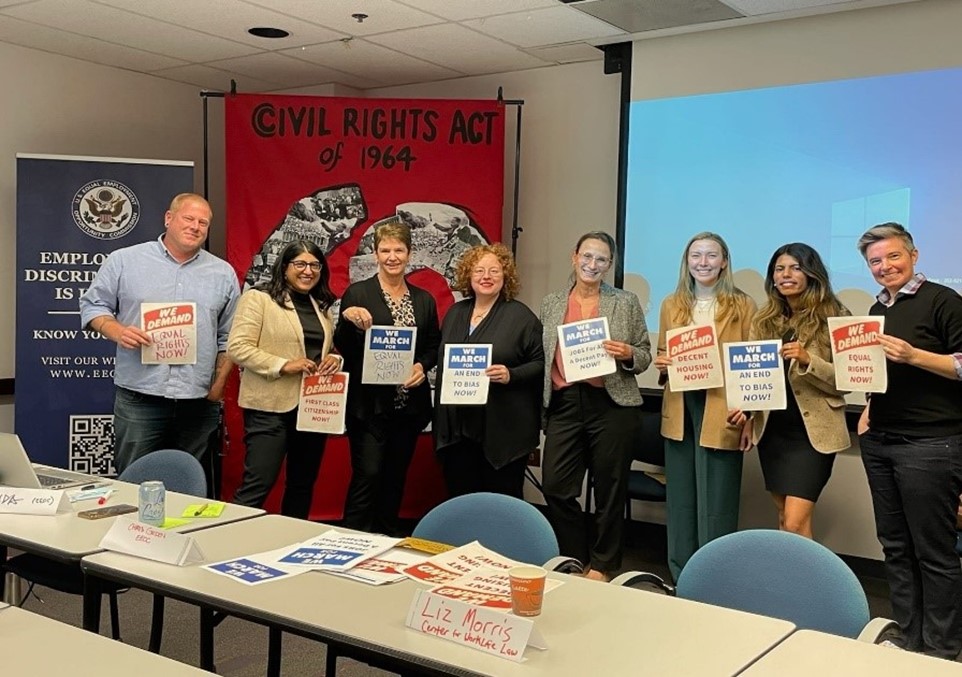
594 423
797 445
280 332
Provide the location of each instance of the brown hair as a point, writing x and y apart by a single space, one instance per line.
393 230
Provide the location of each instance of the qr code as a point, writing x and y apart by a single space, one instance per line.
92 444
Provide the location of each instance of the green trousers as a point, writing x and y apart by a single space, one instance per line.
703 488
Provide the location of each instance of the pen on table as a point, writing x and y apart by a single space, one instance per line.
201 509
103 499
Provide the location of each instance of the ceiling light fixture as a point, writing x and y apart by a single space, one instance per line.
359 17
266 32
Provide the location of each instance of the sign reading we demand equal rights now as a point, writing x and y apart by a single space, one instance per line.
857 354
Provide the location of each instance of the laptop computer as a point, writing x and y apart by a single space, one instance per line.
16 470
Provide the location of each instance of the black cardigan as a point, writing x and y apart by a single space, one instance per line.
509 425
367 403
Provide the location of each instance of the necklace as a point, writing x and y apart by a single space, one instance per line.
479 315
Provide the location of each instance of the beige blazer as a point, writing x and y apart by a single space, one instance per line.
715 431
262 339
821 403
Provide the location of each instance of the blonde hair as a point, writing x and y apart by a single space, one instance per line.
462 273
180 200
727 295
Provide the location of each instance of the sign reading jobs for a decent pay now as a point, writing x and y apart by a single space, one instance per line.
582 354
388 354
754 376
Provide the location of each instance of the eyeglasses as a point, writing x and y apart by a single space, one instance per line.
491 272
315 266
602 261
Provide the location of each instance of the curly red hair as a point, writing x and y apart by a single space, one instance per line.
462 273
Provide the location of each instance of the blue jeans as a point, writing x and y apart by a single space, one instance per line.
146 423
915 484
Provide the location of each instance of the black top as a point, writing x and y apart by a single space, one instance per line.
919 403
509 425
366 403
313 331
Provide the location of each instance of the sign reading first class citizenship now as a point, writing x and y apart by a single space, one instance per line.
857 354
388 354
582 354
754 375
696 362
172 328
323 403
463 380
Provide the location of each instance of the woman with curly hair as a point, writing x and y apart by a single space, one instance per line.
485 447
797 445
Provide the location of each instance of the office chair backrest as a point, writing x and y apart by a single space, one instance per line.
178 470
505 524
650 447
778 574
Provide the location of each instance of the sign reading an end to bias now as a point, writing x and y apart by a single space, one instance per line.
582 354
388 354
754 376
463 380
858 356
695 360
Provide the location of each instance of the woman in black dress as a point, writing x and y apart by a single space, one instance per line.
797 445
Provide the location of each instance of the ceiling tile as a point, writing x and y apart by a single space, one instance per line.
287 72
214 79
51 40
473 9
123 28
652 15
544 27
756 7
459 48
372 62
230 19
383 15
571 53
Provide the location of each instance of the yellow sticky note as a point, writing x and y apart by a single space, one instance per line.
173 522
204 510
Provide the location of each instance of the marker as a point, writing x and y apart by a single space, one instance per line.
103 499
201 509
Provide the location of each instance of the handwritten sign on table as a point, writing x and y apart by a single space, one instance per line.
388 354
696 362
323 403
857 355
142 540
754 375
335 551
32 501
172 328
464 380
488 630
582 354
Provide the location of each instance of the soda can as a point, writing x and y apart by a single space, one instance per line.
152 503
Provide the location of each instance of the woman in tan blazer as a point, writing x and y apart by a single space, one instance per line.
797 445
279 333
703 463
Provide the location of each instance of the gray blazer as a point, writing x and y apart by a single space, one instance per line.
626 322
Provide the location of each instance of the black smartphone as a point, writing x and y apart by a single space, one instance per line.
107 511
790 336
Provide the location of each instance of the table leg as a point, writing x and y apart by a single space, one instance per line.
207 639
93 592
3 573
274 636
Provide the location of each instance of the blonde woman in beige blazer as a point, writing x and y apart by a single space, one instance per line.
279 333
797 445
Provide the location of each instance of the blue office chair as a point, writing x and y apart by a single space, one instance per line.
180 472
650 450
507 525
781 575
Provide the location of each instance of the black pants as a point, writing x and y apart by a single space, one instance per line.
587 431
269 438
380 457
468 471
915 484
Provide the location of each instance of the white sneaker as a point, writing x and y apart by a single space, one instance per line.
889 644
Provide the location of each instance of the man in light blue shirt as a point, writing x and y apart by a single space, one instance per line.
165 406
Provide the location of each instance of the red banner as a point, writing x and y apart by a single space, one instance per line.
329 170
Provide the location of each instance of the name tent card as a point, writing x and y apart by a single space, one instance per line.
463 380
142 540
857 354
754 375
696 362
388 354
33 501
173 333
582 354
488 630
323 403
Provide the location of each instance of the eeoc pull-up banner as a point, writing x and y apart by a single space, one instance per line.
329 170
71 213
